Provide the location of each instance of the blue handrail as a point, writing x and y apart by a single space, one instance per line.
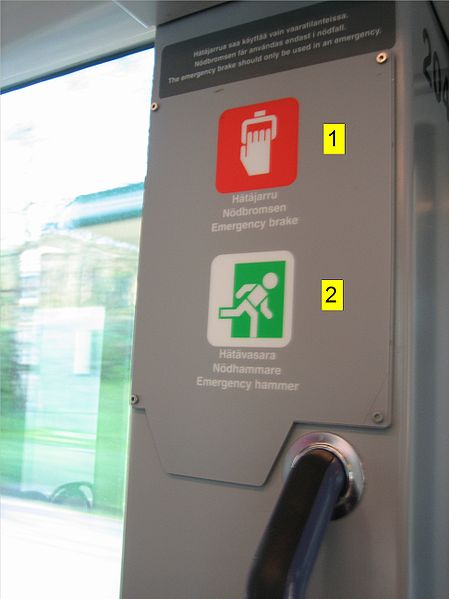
290 544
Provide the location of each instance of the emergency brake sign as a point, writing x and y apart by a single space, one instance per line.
258 146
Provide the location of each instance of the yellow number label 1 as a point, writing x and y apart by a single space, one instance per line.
334 138
332 295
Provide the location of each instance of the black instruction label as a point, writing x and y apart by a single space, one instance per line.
311 35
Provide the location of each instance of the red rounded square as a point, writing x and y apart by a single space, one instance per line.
258 146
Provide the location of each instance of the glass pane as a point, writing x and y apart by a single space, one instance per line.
73 164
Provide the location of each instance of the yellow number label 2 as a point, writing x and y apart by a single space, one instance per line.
332 295
334 138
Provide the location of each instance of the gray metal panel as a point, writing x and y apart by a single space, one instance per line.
442 10
430 395
193 538
340 360
190 538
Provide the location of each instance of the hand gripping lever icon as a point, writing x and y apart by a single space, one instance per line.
256 136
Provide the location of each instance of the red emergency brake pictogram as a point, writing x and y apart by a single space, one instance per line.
258 146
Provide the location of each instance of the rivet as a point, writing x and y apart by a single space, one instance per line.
134 400
154 106
382 57
378 417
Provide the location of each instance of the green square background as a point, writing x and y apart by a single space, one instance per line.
253 272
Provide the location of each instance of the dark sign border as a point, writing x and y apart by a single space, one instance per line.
180 74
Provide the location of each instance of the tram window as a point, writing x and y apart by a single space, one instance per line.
73 163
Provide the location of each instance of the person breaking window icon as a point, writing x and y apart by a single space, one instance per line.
255 300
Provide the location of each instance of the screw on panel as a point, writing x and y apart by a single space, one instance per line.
134 400
378 417
154 106
382 57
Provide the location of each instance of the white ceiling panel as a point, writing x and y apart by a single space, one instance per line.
41 37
